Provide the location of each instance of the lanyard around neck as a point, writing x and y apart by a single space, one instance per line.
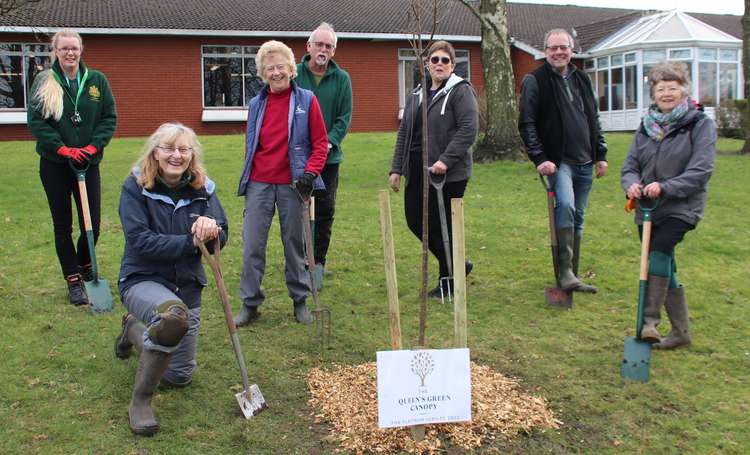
80 82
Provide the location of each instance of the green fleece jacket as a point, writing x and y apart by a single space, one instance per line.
334 95
96 107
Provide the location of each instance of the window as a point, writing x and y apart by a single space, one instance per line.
19 65
707 83
727 81
230 78
654 56
409 76
602 89
631 87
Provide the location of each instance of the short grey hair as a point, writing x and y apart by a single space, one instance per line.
559 31
273 47
670 71
327 27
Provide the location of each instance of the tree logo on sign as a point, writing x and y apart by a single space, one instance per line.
422 365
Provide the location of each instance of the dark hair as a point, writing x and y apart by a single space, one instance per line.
444 46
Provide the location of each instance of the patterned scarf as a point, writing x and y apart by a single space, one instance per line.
658 124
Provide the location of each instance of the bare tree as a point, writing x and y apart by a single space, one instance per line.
8 6
423 16
746 73
501 140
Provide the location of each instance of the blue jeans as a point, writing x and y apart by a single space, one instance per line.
572 184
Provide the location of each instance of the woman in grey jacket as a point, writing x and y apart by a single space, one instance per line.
452 119
671 159
167 205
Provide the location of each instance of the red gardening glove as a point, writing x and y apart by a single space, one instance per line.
75 154
89 150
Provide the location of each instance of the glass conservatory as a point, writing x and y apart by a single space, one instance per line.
619 65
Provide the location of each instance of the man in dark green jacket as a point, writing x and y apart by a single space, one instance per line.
333 88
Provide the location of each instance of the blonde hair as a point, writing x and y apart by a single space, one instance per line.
49 95
274 48
168 133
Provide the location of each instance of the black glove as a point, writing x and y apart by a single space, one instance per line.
304 184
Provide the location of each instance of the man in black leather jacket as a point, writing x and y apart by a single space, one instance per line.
559 124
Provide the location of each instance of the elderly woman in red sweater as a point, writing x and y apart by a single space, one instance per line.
286 148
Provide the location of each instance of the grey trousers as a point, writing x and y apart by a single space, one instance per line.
143 299
261 201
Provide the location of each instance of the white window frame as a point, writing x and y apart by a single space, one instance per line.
225 113
17 115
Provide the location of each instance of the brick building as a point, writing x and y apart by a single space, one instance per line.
194 62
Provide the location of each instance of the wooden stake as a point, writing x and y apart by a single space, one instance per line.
389 259
459 275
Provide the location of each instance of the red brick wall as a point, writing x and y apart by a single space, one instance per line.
158 78
523 63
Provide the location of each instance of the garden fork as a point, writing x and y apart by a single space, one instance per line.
321 315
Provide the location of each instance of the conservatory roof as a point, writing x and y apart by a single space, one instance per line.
665 28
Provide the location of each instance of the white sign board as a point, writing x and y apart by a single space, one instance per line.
426 386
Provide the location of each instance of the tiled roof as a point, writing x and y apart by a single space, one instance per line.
527 22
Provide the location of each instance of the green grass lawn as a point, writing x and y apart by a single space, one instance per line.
62 390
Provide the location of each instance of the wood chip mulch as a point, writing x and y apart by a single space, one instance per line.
346 398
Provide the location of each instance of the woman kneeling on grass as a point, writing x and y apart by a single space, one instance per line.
671 158
167 206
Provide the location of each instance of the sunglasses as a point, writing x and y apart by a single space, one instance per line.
435 60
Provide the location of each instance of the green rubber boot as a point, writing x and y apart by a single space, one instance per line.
678 317
656 292
151 367
567 278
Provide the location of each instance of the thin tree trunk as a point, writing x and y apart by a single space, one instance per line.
746 73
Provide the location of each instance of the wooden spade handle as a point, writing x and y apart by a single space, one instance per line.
213 262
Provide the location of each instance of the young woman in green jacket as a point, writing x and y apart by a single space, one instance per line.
72 117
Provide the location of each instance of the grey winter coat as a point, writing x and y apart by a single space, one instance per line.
453 119
682 163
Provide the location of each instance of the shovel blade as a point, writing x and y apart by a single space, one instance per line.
251 401
558 298
100 295
636 361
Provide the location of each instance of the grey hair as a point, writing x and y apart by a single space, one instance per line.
273 47
670 71
559 31
327 27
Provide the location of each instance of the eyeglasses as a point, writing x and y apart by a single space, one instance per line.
435 60
562 47
280 67
321 45
66 50
171 149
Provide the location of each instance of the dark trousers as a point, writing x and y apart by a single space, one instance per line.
413 211
325 207
59 183
666 235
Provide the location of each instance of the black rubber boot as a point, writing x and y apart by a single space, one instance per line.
247 315
568 280
76 290
678 316
151 367
131 336
583 287
656 292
